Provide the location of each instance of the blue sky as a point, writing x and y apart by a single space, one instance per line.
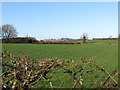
45 20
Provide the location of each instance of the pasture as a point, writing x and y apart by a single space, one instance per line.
106 52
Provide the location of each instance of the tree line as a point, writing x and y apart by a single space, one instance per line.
9 34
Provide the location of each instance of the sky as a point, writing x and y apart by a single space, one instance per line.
46 20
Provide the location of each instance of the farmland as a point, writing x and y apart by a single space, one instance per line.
105 51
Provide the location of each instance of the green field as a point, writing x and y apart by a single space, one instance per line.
106 52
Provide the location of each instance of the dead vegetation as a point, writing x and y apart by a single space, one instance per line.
21 72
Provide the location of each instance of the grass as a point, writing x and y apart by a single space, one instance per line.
106 52
99 41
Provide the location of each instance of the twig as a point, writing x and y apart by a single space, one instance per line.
108 78
108 75
61 84
51 84
75 84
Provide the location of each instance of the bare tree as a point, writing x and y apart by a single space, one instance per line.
84 37
8 31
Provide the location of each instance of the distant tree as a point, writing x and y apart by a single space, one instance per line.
8 31
84 37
